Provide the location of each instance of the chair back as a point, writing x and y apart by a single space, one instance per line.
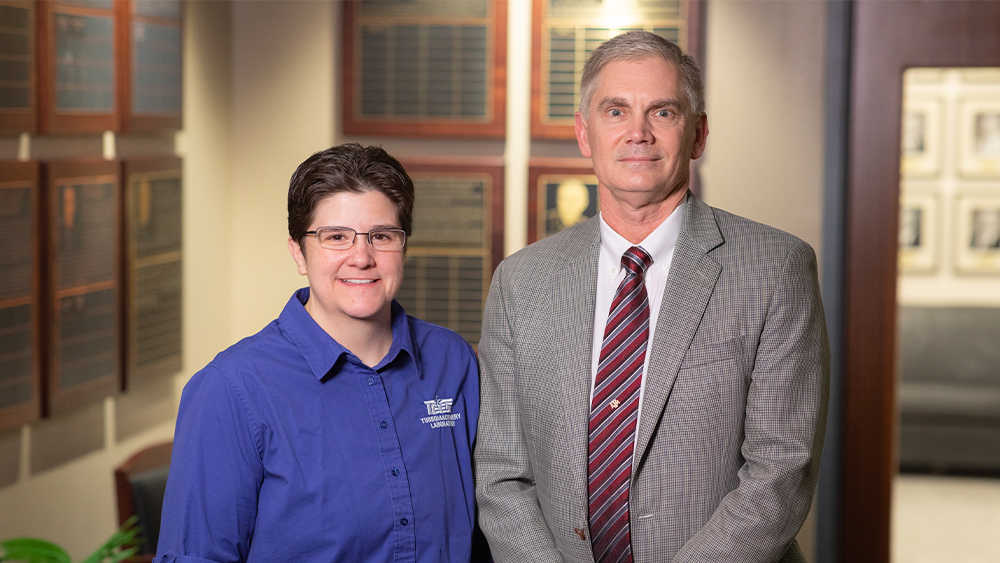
139 483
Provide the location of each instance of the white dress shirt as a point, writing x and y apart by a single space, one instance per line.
660 246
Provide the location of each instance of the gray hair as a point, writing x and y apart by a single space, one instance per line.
639 45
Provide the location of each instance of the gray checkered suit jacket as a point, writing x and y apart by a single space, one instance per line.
734 407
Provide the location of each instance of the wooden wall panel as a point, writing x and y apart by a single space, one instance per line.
20 327
153 268
84 287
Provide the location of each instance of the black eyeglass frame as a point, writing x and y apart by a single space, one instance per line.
368 236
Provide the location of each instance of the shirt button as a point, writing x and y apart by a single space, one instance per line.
403 521
371 381
395 472
383 425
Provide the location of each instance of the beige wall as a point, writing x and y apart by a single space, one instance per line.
764 76
261 94
281 103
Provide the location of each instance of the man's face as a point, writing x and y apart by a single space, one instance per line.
639 131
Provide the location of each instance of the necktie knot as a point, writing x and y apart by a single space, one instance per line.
636 260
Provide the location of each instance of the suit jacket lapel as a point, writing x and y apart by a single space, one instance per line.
690 283
574 295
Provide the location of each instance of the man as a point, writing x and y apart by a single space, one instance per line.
686 425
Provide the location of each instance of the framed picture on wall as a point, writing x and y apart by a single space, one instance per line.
920 139
561 193
979 122
978 233
919 232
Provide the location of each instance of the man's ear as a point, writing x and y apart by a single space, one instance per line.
580 126
700 137
300 258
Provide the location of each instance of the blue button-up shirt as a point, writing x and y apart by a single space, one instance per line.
289 448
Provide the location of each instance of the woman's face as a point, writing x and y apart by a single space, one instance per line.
354 284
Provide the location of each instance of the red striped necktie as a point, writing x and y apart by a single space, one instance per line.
614 410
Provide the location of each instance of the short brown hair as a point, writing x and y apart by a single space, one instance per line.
639 45
347 168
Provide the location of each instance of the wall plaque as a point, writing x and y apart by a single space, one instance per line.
152 75
85 310
565 32
561 193
20 354
77 54
153 202
17 66
456 243
425 67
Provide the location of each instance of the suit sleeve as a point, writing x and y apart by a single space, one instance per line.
210 503
509 512
783 428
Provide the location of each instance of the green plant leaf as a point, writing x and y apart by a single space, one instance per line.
32 550
123 541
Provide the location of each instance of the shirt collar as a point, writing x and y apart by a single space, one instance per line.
659 243
323 353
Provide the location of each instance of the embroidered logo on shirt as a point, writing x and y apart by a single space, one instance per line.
439 413
439 406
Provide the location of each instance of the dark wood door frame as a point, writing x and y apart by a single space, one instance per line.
888 38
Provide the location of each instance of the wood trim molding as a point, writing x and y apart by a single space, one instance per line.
888 38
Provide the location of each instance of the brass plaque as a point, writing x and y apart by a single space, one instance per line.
155 268
424 67
449 255
424 70
84 63
84 241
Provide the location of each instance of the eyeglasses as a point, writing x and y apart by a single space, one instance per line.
342 238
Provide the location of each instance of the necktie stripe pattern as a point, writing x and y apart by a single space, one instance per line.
614 412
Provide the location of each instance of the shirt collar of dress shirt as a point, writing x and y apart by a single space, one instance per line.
324 354
659 243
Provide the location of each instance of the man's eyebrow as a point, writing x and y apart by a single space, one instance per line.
608 102
667 102
663 102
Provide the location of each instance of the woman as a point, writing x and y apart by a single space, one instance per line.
343 430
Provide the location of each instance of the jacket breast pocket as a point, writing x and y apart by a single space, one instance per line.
712 380
701 354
